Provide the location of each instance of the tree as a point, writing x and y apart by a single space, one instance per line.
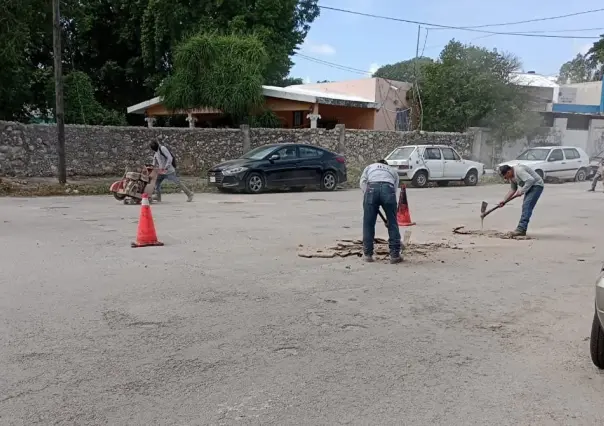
218 71
281 25
405 70
595 57
290 81
471 86
578 70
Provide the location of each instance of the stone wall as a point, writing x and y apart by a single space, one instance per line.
30 150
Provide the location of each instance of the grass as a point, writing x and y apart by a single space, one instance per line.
46 187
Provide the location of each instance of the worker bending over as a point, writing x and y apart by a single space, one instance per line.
379 182
524 181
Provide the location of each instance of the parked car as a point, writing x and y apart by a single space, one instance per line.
559 162
284 165
596 343
421 164
594 164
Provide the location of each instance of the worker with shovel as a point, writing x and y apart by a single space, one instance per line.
524 181
379 182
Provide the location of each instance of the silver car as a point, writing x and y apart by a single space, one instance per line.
596 344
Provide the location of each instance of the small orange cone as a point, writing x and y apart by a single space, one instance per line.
403 216
146 236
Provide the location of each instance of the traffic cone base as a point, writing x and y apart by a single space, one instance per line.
403 216
146 235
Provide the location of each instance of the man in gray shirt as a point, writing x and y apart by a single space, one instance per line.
378 183
163 160
524 181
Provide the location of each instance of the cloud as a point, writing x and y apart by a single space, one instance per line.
321 49
373 68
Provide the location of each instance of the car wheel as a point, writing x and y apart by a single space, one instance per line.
329 181
420 179
119 197
471 178
581 175
254 183
540 173
442 183
596 343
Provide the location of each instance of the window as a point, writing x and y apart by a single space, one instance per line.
432 154
536 154
298 119
556 155
287 153
402 153
577 122
306 152
259 153
449 154
571 154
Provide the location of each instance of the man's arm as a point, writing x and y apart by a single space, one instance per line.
510 194
397 179
524 176
363 180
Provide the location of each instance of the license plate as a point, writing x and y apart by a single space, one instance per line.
212 178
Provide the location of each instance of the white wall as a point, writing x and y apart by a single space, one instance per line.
591 141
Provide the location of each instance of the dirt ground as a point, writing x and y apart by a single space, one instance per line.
226 324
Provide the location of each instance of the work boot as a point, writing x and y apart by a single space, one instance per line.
518 233
591 190
189 197
368 258
396 259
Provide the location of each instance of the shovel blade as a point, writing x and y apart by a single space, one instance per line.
483 207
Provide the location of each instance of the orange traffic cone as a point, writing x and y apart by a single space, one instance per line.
146 236
403 216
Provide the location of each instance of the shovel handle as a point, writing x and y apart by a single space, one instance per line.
383 218
488 212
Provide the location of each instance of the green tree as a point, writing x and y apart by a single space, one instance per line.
290 81
578 70
471 86
219 71
405 70
281 25
595 57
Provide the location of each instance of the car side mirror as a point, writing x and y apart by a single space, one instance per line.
274 157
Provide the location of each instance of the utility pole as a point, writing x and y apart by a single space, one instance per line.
59 105
419 30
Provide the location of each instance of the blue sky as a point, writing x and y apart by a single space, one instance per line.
365 43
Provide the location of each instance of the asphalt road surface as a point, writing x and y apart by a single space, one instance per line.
227 325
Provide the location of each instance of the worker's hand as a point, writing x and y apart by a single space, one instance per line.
501 203
162 171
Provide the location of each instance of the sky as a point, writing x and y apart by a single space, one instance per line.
365 43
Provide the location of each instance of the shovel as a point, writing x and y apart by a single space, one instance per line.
383 218
484 212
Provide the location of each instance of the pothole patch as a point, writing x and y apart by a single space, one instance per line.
488 233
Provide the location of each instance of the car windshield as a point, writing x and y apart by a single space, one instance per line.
401 153
534 155
259 153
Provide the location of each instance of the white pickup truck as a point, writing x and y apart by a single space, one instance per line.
421 164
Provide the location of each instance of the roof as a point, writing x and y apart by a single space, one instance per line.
533 80
292 93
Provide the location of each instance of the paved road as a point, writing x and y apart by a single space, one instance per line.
226 325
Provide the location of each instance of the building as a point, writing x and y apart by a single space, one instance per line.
370 103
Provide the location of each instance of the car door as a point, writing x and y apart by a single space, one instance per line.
556 165
454 166
573 161
433 161
283 170
310 165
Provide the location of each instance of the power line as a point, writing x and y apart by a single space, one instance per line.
428 24
332 64
550 18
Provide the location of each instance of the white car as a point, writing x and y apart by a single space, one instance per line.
559 162
421 164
